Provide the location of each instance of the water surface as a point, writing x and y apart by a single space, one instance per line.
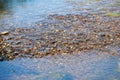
81 66
24 13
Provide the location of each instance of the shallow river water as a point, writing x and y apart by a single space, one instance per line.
24 13
89 65
81 66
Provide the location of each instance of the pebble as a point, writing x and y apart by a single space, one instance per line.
4 33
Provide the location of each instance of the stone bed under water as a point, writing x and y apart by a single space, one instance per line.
66 40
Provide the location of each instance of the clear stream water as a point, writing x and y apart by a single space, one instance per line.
81 66
24 13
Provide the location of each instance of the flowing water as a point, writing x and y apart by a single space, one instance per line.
81 66
24 13
91 65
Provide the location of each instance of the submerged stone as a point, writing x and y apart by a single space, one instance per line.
4 33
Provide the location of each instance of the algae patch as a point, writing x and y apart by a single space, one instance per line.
113 14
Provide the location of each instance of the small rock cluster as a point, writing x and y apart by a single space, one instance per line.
5 50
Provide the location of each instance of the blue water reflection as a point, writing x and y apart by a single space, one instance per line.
22 13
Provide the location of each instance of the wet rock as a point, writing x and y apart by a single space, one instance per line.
26 51
5 50
39 24
38 54
4 33
18 42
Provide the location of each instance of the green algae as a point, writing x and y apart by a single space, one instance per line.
113 14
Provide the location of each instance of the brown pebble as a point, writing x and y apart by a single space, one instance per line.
39 24
38 53
18 42
4 33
